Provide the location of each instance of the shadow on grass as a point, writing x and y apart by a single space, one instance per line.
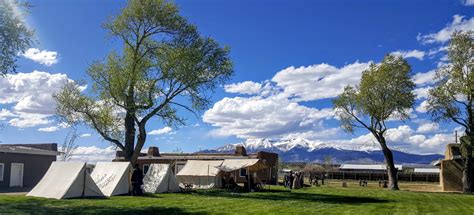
286 195
47 206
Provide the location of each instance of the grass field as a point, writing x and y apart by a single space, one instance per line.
331 198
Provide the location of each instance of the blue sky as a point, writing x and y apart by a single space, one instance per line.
285 55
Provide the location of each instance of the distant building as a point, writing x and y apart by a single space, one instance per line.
23 165
178 161
367 167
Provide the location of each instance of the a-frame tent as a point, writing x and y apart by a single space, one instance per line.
66 180
112 178
160 179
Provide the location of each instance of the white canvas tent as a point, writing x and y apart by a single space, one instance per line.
160 179
202 174
112 178
230 165
66 180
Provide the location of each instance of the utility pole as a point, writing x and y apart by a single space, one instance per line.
456 136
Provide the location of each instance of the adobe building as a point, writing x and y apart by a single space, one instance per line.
450 177
177 161
23 165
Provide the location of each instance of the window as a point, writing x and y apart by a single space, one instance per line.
145 168
243 173
2 167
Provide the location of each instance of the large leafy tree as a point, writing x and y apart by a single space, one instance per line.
453 96
165 65
384 92
15 36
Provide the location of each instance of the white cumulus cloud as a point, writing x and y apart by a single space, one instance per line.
30 95
44 57
424 78
246 87
410 54
318 81
257 117
458 23
93 154
428 127
164 130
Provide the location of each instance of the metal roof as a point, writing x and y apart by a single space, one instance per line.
426 170
367 166
26 150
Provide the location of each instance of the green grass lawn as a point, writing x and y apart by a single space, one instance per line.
352 200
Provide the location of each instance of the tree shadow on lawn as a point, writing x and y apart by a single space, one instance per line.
46 206
291 196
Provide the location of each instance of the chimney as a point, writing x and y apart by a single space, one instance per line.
119 154
153 151
240 151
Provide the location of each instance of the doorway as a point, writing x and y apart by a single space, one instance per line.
16 175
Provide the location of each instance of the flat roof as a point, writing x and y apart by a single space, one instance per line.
426 170
26 150
367 166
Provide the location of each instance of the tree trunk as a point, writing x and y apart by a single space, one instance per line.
467 176
141 139
391 170
129 137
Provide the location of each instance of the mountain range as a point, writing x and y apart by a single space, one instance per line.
302 150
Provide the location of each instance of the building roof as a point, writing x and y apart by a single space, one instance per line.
426 170
23 149
367 166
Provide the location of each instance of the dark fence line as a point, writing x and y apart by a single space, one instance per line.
375 176
426 177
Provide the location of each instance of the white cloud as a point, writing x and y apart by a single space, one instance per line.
28 120
458 23
398 134
49 129
422 92
30 94
85 135
436 143
4 114
54 128
164 130
93 154
257 117
410 54
44 57
467 2
424 78
417 139
428 127
246 87
318 81
423 107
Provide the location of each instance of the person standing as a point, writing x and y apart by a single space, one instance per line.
137 181
292 178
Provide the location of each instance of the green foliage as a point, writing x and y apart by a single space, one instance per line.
452 98
15 36
385 91
165 65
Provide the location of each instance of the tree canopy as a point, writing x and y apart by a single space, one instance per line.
165 65
384 92
453 96
15 36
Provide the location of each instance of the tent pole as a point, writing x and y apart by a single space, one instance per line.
248 178
84 180
208 175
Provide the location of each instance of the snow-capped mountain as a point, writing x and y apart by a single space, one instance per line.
302 150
